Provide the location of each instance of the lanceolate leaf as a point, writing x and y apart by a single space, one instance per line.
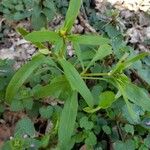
89 39
73 10
102 52
125 63
67 122
21 75
78 53
76 81
42 36
24 33
136 58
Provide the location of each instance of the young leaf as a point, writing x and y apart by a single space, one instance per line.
89 39
67 121
125 63
136 58
21 75
42 36
73 10
102 52
76 81
106 99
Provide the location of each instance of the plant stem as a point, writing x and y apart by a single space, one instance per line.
93 78
95 74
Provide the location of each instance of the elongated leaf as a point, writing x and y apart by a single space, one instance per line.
125 63
59 45
138 96
21 75
89 39
73 10
57 85
136 58
130 61
102 52
24 33
78 52
42 36
67 121
76 81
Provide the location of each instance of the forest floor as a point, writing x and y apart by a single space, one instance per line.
133 19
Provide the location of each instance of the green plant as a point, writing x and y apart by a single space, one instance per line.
85 83
38 10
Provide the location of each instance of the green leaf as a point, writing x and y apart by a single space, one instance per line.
24 33
76 81
138 96
46 112
25 126
91 139
16 106
129 105
27 103
89 39
57 85
67 121
73 10
130 61
42 36
137 111
78 53
38 21
128 145
130 109
106 129
147 141
106 99
125 63
21 75
58 46
86 124
102 52
44 51
129 128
